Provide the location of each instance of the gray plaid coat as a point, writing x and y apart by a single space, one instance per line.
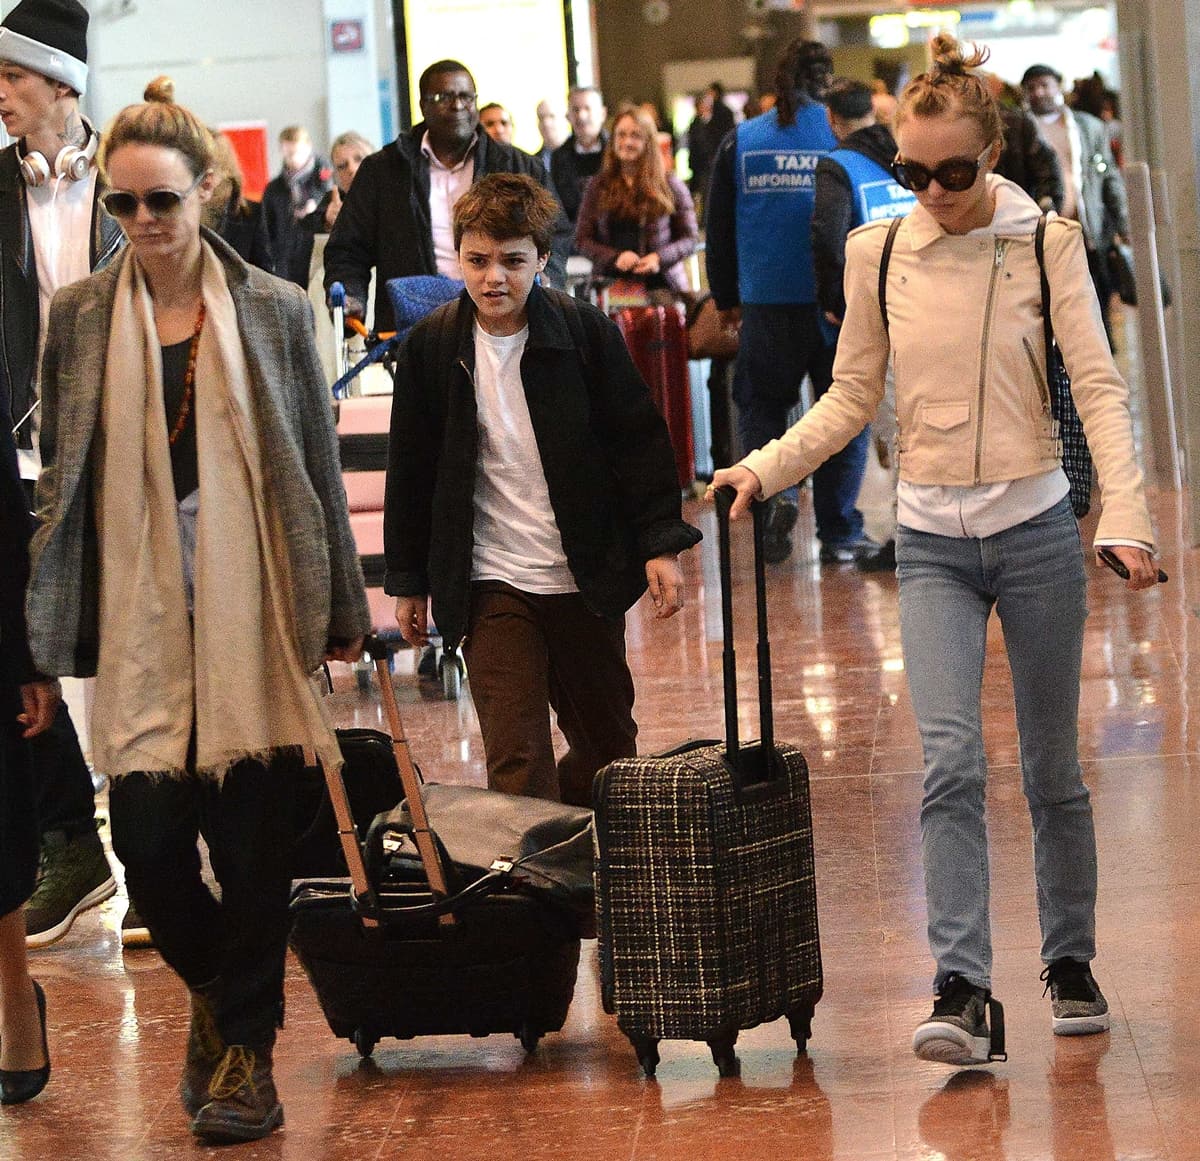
300 454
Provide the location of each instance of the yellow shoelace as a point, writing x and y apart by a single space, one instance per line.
235 1071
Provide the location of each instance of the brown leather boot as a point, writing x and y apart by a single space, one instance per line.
242 1103
205 1048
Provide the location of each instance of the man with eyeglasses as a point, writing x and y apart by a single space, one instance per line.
397 217
52 232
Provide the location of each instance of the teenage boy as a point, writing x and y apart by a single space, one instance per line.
53 231
532 496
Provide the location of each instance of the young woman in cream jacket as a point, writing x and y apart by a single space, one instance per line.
984 522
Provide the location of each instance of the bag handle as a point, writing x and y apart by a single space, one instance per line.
1039 250
885 260
724 500
410 780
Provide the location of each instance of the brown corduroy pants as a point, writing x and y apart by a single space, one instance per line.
527 653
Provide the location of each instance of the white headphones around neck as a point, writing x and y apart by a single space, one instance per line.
72 162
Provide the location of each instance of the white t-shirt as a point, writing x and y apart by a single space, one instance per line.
516 536
60 220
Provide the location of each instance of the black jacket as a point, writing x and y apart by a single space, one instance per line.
290 243
833 212
16 526
245 229
1029 160
384 221
603 445
571 172
20 322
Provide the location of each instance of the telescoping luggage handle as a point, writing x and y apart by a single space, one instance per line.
736 755
426 844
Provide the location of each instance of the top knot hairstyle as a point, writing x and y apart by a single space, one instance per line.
805 68
951 87
161 122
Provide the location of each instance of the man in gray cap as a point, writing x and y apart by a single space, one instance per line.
52 232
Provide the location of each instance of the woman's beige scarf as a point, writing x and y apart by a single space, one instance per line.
235 676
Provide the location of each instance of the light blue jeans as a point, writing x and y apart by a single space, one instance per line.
1033 575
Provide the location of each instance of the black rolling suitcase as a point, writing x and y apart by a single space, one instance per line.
424 954
705 886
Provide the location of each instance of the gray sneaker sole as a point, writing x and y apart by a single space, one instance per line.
1080 1025
946 1043
53 934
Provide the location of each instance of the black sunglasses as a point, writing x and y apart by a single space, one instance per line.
954 174
160 202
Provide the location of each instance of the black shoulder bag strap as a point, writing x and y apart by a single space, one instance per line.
1039 250
884 261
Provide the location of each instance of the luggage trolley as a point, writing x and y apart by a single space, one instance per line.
362 420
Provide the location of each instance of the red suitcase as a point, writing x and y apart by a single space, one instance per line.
657 339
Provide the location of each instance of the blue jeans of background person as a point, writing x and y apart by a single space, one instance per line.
1033 575
779 345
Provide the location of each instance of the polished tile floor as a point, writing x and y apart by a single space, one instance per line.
117 1021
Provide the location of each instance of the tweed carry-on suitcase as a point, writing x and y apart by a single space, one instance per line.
428 956
705 886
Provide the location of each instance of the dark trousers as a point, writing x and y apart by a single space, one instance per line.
62 782
1098 268
779 345
235 948
527 653
18 821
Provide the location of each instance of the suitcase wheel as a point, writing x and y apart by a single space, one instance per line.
800 1019
724 1056
529 1037
646 1048
450 670
365 1041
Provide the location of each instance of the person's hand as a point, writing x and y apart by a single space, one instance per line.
832 319
40 701
349 653
1143 572
743 481
647 264
626 261
883 449
412 615
665 578
355 308
731 319
334 207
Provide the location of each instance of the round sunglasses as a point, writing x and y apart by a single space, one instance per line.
161 203
954 174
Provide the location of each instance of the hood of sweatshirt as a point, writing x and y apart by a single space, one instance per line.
1016 215
875 142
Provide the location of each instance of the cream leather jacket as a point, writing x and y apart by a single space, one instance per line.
965 335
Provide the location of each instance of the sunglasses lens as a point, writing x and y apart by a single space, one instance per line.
911 176
956 176
162 201
120 205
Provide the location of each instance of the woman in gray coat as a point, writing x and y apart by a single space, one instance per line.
194 553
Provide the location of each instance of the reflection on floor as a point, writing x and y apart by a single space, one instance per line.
118 1025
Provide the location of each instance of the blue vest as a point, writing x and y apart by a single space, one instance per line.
775 183
875 193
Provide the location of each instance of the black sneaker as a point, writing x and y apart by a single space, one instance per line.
73 875
848 551
777 530
1077 1005
957 1032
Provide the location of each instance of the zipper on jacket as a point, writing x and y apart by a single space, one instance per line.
997 266
1039 375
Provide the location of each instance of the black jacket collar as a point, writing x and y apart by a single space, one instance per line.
548 327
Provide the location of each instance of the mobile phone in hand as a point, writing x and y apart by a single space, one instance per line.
1114 562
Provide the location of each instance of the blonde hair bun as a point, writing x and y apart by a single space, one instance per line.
161 89
950 59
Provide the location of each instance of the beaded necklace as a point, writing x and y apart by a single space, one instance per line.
189 379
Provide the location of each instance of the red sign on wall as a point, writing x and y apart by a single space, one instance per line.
346 35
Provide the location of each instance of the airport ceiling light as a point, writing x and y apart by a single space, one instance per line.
894 30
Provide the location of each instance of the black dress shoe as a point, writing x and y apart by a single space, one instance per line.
777 530
20 1085
884 560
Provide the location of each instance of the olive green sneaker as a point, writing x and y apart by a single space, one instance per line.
1077 1005
73 875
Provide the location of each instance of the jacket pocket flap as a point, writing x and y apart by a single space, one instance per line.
944 416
